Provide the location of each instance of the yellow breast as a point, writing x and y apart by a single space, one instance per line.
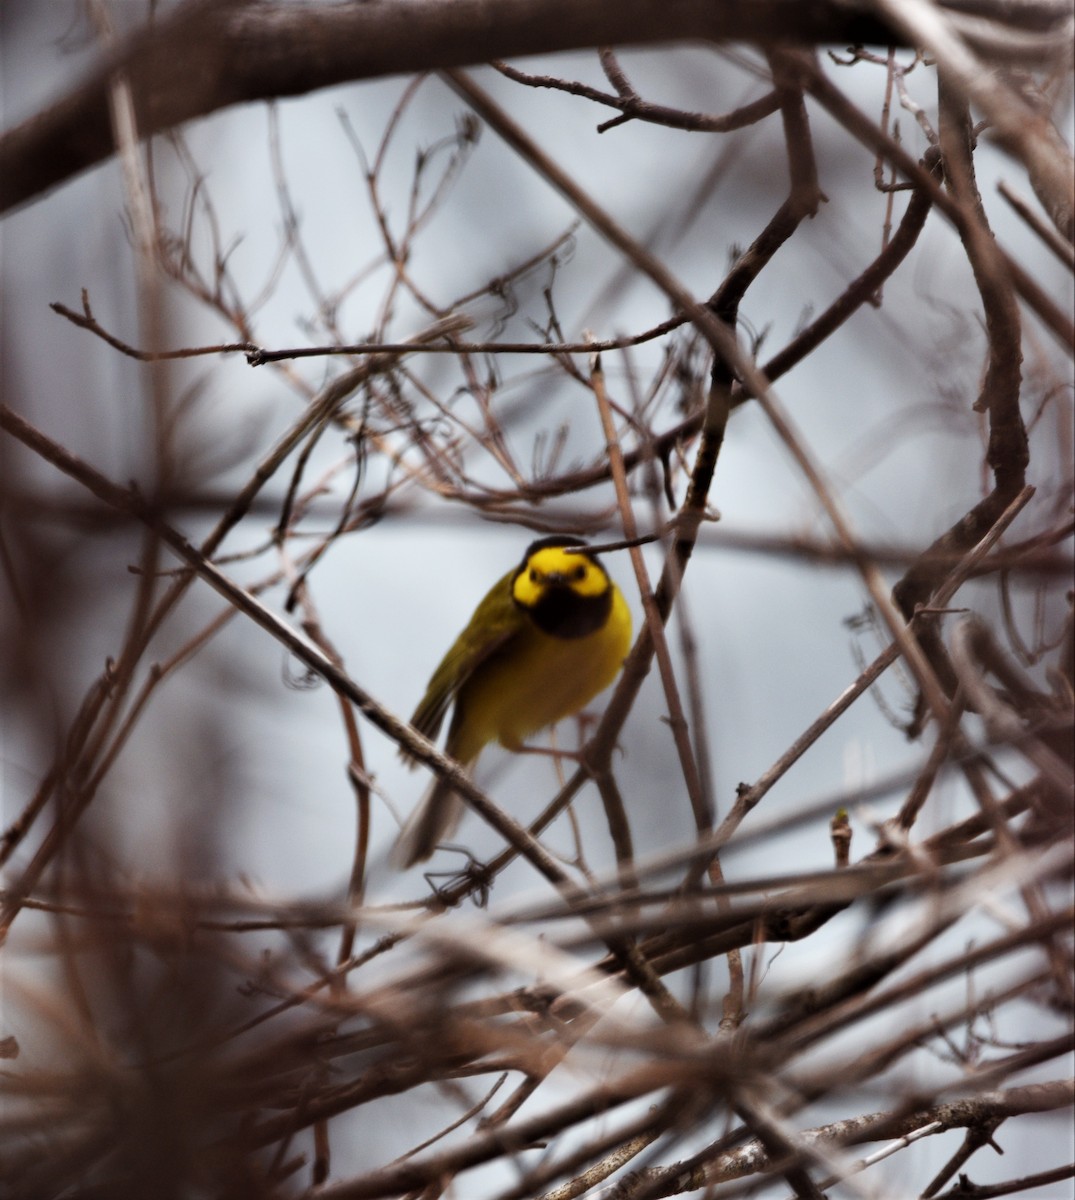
538 680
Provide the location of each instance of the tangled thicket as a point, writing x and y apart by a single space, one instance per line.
544 1019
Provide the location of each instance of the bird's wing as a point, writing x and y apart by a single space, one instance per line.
495 622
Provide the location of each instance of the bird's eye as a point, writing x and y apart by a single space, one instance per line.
579 572
533 575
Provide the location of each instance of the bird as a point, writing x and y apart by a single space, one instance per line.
548 636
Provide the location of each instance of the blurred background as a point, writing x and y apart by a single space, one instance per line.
364 214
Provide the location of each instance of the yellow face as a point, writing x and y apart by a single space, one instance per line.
558 567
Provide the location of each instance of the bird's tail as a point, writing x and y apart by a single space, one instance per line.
436 818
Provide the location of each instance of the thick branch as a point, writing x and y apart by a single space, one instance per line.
211 54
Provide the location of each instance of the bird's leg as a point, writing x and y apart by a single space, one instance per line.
548 752
554 751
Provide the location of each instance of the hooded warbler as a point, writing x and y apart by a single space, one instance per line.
549 635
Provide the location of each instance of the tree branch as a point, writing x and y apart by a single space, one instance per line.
211 54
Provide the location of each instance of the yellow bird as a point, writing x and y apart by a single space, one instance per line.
548 637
